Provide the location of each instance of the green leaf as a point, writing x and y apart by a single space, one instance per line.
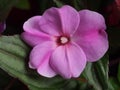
118 73
114 82
23 4
97 74
101 70
5 7
58 3
78 4
91 77
13 56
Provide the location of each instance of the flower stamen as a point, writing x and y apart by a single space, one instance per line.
62 40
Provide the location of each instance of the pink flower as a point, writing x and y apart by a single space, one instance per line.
63 40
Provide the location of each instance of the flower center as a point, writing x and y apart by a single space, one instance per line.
63 40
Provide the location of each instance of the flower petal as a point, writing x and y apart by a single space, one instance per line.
94 45
69 19
45 69
59 62
91 35
57 21
90 21
50 22
68 61
31 25
39 59
76 58
33 39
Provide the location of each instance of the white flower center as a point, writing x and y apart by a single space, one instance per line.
63 40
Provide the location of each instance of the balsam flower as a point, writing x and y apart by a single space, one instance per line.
63 40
